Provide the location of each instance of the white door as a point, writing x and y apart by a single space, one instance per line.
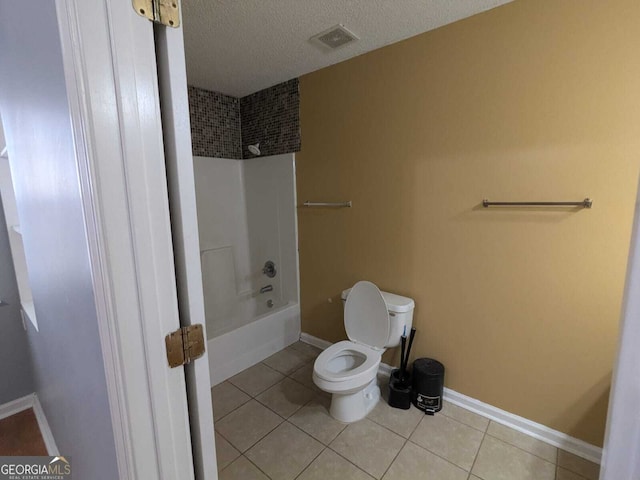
172 78
621 455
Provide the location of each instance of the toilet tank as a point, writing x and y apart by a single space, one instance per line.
400 315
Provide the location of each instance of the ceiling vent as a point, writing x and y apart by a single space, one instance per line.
333 38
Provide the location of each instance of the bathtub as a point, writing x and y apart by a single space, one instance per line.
238 349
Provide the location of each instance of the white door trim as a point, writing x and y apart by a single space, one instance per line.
111 80
16 406
45 430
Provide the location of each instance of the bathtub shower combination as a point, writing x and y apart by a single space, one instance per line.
248 250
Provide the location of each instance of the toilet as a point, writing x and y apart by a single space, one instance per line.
374 321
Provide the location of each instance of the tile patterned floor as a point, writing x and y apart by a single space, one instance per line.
273 423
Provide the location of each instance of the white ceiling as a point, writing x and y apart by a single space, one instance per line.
238 47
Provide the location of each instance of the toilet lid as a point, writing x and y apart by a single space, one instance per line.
366 318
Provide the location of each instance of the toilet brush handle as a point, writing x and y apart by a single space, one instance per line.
408 352
403 343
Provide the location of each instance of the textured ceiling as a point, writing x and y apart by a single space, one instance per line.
240 46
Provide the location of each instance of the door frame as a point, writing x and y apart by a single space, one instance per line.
111 76
621 452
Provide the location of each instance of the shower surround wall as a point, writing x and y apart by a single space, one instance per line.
246 216
223 126
271 117
215 124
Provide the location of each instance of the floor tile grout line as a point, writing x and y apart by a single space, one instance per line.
293 413
229 413
321 443
432 452
244 454
261 438
283 419
386 428
486 432
475 458
324 447
439 456
415 428
280 415
470 426
399 434
527 451
261 391
254 397
269 367
307 433
558 467
255 465
394 458
352 463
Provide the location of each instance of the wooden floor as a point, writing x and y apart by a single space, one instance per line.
20 435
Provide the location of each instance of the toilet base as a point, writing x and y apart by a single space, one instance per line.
355 406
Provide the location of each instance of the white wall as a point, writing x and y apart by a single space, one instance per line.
67 361
224 241
246 216
271 218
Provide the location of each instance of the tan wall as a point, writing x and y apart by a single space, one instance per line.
539 99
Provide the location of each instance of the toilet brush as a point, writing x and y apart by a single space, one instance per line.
403 344
405 356
399 386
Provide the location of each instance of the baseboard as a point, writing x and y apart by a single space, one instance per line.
536 430
524 425
16 406
45 430
315 341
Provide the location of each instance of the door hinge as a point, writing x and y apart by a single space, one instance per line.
165 12
184 345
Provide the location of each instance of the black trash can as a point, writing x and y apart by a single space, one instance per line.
428 385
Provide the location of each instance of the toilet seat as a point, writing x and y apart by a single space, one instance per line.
364 370
366 318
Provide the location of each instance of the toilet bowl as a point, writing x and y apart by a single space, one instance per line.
374 321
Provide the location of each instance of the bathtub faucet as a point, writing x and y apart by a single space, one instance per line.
268 288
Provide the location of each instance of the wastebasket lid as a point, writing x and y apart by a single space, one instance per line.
428 366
